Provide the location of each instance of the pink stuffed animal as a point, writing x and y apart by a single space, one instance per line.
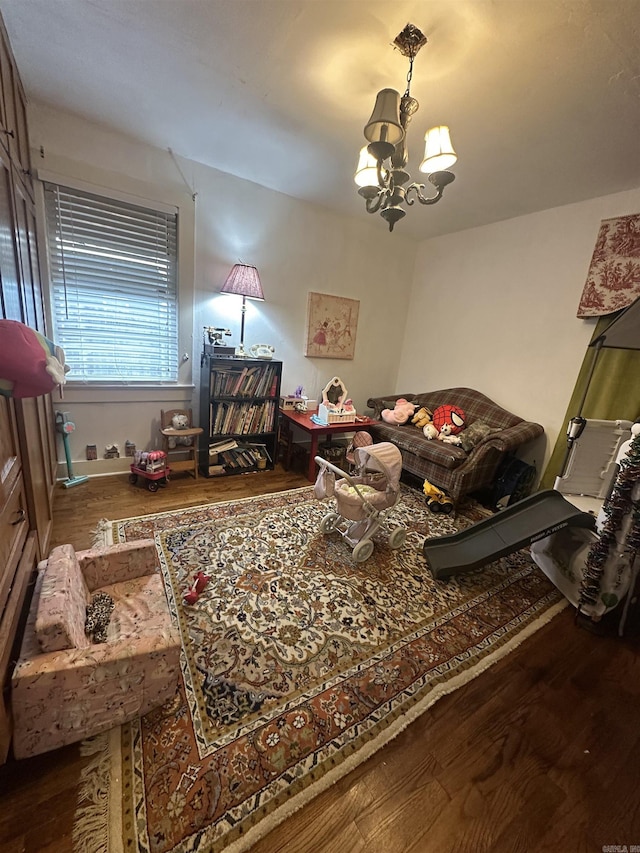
400 414
30 364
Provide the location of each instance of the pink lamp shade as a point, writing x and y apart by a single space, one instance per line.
244 280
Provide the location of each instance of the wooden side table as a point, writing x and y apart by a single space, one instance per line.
290 418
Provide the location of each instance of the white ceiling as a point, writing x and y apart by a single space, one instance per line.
542 96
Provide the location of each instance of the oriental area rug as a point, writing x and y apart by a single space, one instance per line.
297 665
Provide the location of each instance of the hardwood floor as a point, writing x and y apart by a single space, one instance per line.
540 753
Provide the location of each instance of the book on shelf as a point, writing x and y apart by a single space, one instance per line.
216 470
259 449
239 380
219 446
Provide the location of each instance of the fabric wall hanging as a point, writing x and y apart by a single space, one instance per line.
613 280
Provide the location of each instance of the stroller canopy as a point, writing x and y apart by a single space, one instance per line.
384 457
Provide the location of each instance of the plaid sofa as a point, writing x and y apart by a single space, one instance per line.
446 465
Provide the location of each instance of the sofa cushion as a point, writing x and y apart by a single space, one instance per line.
474 404
411 439
63 603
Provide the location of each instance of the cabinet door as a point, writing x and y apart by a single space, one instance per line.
11 304
35 431
7 101
9 452
28 267
13 108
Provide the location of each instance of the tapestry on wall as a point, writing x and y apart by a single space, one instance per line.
613 280
332 323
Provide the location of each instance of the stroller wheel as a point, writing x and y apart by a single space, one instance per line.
363 551
328 523
397 537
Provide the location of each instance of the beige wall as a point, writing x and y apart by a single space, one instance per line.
494 308
491 308
296 246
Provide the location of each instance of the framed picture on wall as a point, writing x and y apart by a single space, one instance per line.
332 323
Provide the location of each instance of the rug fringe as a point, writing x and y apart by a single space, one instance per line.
91 824
102 534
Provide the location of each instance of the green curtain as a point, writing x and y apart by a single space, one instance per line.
614 394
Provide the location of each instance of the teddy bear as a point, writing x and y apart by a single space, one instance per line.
180 421
429 431
422 417
400 414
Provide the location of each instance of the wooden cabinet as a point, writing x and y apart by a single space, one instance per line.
239 413
13 108
17 555
27 437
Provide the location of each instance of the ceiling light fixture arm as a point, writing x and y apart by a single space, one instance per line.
439 180
374 204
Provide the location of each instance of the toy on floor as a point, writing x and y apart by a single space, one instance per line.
437 500
152 466
363 498
199 583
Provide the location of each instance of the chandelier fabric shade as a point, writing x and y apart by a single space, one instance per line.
381 172
384 124
438 150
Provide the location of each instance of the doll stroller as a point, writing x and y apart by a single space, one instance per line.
362 498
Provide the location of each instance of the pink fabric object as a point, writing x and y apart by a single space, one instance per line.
117 563
400 414
61 616
66 695
30 364
613 280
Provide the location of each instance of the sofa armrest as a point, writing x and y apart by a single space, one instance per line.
513 437
380 403
117 563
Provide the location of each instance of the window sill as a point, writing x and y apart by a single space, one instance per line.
80 392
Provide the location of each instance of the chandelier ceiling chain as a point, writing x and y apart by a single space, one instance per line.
381 172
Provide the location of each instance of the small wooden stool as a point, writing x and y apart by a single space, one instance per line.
168 432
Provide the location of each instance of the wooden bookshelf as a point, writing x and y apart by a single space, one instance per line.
239 412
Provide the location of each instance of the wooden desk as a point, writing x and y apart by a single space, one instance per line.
290 418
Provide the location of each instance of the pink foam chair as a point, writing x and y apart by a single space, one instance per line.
65 687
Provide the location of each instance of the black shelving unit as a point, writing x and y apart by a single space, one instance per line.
239 412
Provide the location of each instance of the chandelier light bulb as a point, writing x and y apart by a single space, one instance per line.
367 172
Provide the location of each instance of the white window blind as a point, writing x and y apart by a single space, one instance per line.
113 287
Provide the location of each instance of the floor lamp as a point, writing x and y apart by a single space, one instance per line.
243 280
621 333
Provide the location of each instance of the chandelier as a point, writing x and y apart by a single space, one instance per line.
381 173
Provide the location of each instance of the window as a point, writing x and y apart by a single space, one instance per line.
113 287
